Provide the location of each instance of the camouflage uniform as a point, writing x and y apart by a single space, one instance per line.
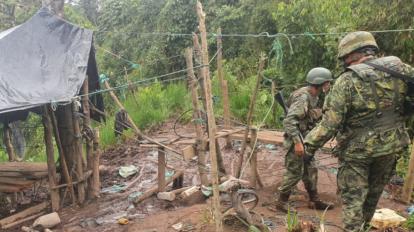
302 115
364 112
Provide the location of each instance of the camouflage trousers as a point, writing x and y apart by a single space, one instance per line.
297 170
361 183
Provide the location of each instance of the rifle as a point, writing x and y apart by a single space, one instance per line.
279 98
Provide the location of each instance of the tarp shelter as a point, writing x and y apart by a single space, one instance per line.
44 60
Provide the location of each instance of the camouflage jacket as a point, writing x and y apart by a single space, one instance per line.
303 113
351 112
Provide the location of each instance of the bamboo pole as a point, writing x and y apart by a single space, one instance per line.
62 156
223 84
134 127
8 143
54 193
210 118
78 154
250 116
409 180
88 141
201 153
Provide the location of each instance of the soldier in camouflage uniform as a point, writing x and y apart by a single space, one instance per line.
303 113
364 110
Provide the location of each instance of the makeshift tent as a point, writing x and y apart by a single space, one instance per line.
45 60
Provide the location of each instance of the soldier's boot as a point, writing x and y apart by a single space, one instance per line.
316 203
282 203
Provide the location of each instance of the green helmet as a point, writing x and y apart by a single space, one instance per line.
354 41
318 76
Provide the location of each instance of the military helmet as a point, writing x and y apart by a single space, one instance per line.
354 41
318 76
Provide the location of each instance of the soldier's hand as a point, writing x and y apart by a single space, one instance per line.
299 149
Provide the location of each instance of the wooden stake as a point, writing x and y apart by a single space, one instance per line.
210 118
88 141
201 153
250 116
161 169
134 127
409 180
96 187
62 155
255 178
48 135
8 143
223 83
202 74
78 154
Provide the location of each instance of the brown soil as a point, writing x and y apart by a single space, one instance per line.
157 215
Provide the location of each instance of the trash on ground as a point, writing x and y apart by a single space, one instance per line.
410 210
126 171
134 195
386 218
123 221
114 188
47 221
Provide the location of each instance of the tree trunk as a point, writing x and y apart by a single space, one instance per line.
55 6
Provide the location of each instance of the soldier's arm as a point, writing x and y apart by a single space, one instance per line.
335 108
296 112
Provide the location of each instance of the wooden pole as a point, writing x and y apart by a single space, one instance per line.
88 141
199 58
8 143
96 187
161 169
223 83
78 155
255 177
134 127
250 116
48 133
201 152
210 118
62 156
409 180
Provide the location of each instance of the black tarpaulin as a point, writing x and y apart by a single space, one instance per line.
45 60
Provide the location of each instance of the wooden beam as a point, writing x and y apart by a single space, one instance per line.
250 116
48 137
210 118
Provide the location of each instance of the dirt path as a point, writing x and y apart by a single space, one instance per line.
156 215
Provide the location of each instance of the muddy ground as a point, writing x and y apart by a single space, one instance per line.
156 215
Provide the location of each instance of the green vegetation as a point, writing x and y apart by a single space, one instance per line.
131 37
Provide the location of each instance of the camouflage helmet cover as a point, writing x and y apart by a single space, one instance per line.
354 41
318 76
